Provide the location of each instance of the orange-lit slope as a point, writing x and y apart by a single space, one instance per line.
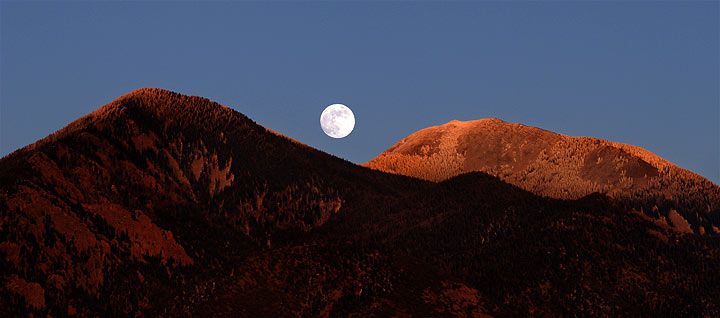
548 164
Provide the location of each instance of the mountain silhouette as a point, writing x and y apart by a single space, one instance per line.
161 204
558 166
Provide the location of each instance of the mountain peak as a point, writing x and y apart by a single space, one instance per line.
544 162
156 107
490 120
164 102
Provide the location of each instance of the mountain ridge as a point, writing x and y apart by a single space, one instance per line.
555 165
639 151
161 204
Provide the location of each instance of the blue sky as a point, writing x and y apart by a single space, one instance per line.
643 73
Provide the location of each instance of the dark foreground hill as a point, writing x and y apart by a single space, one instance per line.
559 166
165 204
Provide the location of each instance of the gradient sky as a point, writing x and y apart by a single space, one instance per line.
643 73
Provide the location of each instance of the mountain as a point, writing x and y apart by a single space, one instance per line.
157 182
161 204
558 166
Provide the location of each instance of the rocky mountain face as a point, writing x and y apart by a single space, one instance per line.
165 204
558 166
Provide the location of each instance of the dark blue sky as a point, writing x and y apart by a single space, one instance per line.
643 73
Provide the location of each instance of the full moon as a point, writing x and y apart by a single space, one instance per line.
337 121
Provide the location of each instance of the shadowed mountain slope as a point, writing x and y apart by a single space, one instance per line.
156 182
558 166
165 204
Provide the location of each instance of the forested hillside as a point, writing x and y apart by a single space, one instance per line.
164 204
559 166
